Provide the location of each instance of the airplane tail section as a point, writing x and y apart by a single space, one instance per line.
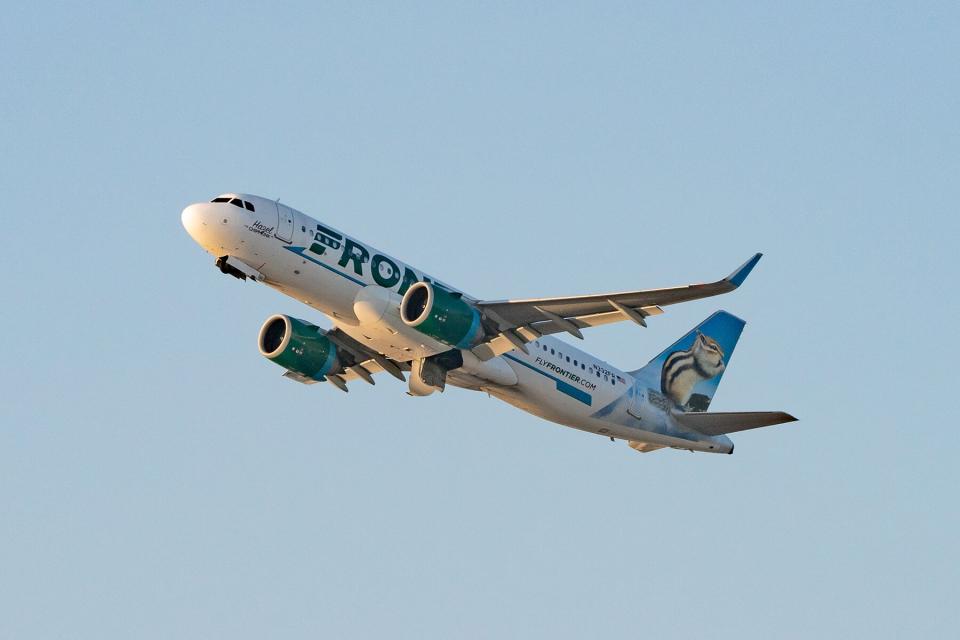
687 373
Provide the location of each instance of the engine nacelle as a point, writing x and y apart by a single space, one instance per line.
298 346
441 314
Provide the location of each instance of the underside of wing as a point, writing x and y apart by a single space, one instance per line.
361 362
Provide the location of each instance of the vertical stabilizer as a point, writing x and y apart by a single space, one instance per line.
686 374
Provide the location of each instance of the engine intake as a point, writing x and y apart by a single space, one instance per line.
441 314
298 346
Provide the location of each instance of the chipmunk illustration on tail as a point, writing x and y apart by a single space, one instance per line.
686 374
682 370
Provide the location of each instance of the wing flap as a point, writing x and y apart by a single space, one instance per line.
720 423
644 447
361 371
298 377
530 332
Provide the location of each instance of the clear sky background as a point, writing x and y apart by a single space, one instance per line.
159 479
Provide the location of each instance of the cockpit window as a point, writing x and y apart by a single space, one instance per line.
237 202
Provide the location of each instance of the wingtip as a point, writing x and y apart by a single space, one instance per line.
737 277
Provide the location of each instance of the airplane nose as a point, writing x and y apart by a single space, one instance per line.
193 220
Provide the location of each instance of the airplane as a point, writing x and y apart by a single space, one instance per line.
388 316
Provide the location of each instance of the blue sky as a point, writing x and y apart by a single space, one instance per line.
158 478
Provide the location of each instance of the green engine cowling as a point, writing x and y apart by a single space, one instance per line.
441 314
298 346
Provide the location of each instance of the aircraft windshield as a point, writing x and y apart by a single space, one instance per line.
237 202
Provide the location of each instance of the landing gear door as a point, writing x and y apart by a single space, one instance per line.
284 223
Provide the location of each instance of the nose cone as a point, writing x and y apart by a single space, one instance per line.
198 219
193 221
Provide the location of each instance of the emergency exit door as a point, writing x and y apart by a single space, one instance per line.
284 223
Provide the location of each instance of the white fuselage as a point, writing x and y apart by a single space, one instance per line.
357 287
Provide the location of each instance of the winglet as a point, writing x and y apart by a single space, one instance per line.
737 277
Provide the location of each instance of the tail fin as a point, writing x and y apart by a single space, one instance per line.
688 372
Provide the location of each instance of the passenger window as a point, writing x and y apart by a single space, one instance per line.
552 352
568 358
583 366
249 206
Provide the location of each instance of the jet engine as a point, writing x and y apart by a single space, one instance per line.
441 314
298 346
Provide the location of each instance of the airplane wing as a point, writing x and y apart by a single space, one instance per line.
358 361
520 321
364 359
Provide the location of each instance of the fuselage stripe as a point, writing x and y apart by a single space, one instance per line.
300 252
562 386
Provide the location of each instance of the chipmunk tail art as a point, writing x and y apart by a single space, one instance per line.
688 372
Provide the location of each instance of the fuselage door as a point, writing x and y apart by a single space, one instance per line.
284 223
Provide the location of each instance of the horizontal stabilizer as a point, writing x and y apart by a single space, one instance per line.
719 423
